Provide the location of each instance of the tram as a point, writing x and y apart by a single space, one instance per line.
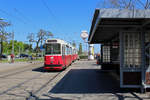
58 54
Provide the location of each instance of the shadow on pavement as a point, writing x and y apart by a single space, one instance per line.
41 69
88 81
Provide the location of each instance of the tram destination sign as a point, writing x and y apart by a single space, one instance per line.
51 40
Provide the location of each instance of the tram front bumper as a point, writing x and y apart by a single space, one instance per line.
53 67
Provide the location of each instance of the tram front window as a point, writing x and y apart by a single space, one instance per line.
53 49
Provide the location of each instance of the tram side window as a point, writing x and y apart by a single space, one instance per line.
67 50
70 50
63 50
53 49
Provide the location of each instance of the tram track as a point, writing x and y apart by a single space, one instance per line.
44 85
18 85
35 95
28 80
18 70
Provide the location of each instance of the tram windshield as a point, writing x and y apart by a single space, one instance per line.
53 49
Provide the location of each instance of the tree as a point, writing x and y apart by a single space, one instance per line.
3 35
80 49
41 36
74 44
31 39
18 47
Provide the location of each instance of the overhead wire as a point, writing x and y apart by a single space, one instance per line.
23 16
10 15
144 5
53 16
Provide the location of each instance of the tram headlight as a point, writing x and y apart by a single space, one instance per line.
52 58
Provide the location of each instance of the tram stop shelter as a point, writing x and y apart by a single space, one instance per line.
124 36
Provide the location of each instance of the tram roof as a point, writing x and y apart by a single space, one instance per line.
58 41
107 23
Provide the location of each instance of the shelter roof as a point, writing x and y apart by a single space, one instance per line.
107 23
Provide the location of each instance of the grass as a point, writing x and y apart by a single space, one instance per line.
22 60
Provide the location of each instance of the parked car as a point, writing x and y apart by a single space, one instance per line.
3 56
23 55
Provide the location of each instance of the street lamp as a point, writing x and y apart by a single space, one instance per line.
84 35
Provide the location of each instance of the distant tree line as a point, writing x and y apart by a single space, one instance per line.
19 47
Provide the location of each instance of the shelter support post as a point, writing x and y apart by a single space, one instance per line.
121 57
143 85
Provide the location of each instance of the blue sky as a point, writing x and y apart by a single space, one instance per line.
64 18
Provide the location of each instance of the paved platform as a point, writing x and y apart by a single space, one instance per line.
86 81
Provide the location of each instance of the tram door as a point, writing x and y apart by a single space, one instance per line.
63 55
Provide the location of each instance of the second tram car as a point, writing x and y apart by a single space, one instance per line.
58 54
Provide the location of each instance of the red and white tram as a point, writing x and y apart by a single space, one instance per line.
58 54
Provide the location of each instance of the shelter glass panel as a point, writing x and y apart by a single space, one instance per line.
132 50
106 53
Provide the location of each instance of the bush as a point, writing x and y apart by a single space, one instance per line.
83 56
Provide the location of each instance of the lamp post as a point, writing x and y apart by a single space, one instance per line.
84 36
12 43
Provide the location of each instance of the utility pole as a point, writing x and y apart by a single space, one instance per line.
19 50
1 42
12 42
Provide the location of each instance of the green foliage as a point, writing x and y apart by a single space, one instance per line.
74 44
80 49
19 47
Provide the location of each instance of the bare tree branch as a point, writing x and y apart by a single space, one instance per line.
147 4
3 34
128 4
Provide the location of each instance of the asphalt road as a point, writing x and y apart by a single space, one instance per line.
83 80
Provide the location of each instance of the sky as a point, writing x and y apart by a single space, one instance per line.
64 18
